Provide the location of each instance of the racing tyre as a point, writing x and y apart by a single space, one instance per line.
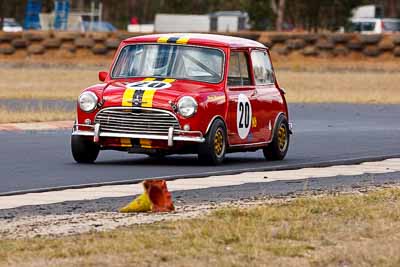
279 146
84 150
212 151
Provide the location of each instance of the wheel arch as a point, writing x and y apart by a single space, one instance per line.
278 116
212 121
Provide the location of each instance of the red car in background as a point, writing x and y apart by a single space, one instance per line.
184 93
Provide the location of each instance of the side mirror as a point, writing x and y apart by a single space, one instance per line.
103 75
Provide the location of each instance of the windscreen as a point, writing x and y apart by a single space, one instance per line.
170 61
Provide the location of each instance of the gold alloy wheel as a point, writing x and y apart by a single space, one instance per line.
219 143
282 137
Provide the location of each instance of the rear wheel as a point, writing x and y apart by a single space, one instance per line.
279 146
213 150
83 149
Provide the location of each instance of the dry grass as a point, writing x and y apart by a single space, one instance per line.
352 230
34 115
44 83
302 86
353 62
341 87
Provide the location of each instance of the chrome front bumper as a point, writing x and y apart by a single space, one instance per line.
173 135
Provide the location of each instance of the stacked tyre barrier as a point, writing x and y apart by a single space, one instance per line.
104 45
67 43
333 44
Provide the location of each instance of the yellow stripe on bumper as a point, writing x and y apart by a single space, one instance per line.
145 143
125 142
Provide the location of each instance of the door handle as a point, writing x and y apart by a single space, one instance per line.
255 92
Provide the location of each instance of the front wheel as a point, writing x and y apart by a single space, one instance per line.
277 149
83 149
212 151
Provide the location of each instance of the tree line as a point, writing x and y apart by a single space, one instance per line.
309 15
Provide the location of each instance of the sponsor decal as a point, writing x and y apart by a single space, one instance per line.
216 98
253 122
243 116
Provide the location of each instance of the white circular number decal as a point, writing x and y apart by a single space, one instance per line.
145 85
243 116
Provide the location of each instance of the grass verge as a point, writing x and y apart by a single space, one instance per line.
341 87
346 230
34 115
45 83
302 86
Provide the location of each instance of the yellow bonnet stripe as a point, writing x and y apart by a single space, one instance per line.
147 99
169 80
148 95
127 98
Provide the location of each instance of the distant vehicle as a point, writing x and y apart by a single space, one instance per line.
220 21
98 26
184 93
368 11
374 25
181 23
10 25
229 21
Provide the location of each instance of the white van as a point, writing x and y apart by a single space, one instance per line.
374 25
11 25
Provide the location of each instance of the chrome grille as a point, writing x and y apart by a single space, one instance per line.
136 121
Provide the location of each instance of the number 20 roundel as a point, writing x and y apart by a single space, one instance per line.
243 116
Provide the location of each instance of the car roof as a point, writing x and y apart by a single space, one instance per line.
374 19
196 39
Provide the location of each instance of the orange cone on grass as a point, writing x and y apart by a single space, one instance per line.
155 198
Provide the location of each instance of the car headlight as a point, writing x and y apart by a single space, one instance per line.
187 106
88 101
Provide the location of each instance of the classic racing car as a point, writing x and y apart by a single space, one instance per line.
184 93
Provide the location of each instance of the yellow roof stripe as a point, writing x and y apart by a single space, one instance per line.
182 40
163 39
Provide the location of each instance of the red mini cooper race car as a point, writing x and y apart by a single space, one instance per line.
184 93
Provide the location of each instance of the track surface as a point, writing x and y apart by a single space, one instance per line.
323 132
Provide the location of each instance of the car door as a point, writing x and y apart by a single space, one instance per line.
268 99
241 99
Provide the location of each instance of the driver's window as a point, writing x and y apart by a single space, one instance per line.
238 69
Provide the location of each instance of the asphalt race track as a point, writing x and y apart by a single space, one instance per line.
323 133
